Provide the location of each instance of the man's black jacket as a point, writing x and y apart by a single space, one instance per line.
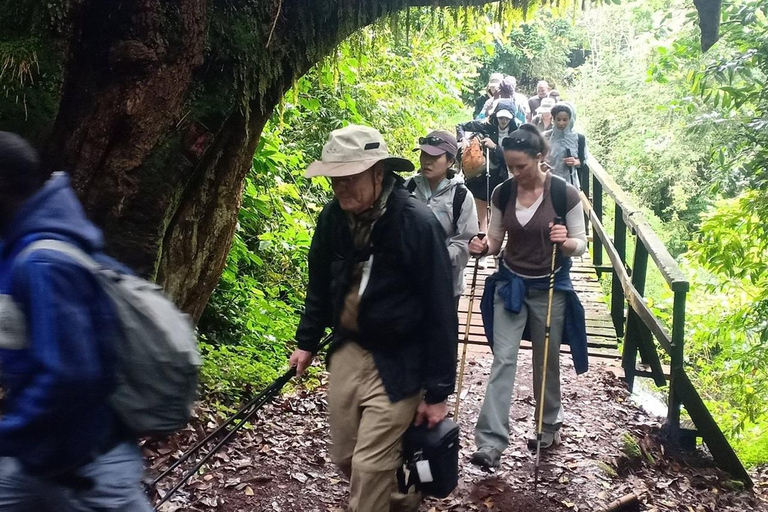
407 316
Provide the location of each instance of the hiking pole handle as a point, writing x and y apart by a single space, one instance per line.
480 236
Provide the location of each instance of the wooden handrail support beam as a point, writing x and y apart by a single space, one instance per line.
681 388
635 300
637 222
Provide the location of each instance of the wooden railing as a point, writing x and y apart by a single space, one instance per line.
641 329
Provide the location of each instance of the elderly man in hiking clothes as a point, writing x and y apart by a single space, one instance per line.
380 275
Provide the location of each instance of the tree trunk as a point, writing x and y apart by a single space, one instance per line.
162 107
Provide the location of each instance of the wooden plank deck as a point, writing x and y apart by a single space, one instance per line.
601 335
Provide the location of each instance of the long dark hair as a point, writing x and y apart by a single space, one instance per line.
527 139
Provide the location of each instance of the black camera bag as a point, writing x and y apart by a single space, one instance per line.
434 452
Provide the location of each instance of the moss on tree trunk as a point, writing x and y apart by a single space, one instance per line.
161 107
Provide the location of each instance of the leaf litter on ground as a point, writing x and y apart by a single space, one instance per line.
283 462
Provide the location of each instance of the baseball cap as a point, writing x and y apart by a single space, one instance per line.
438 142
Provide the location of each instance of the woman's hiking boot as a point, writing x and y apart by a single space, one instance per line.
486 457
547 440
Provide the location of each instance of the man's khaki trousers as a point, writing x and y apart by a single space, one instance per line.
367 430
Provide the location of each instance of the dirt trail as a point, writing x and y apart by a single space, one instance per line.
609 449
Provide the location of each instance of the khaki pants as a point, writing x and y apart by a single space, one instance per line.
367 430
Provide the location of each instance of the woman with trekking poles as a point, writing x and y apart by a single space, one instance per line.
445 194
542 218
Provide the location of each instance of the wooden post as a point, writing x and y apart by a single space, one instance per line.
638 337
597 207
631 337
678 339
617 292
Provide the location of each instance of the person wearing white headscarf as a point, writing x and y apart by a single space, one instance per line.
564 155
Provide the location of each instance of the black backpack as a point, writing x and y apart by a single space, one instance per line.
458 201
432 459
557 191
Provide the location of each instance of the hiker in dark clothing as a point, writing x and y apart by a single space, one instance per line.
500 124
62 447
507 91
516 297
380 275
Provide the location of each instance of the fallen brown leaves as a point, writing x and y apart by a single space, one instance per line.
282 463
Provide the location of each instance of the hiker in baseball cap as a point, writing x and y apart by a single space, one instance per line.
437 186
438 143
393 356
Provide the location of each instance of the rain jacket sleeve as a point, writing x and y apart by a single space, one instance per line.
471 126
318 305
64 372
441 321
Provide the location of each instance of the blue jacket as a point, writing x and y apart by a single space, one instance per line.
513 290
56 416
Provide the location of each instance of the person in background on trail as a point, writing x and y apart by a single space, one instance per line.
543 118
516 297
521 100
491 93
499 125
507 91
381 277
494 89
569 153
555 95
445 194
542 91
61 445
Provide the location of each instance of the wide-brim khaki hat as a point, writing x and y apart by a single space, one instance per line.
352 150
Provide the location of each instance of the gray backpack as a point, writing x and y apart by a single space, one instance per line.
157 354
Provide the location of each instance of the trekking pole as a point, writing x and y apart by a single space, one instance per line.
466 335
487 188
280 382
244 414
542 392
243 411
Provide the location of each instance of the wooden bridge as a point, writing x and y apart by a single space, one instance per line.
625 328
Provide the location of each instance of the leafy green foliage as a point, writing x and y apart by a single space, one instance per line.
539 49
252 316
403 86
684 133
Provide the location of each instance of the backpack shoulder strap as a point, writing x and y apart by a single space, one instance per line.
559 196
411 186
458 201
582 147
81 257
505 194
